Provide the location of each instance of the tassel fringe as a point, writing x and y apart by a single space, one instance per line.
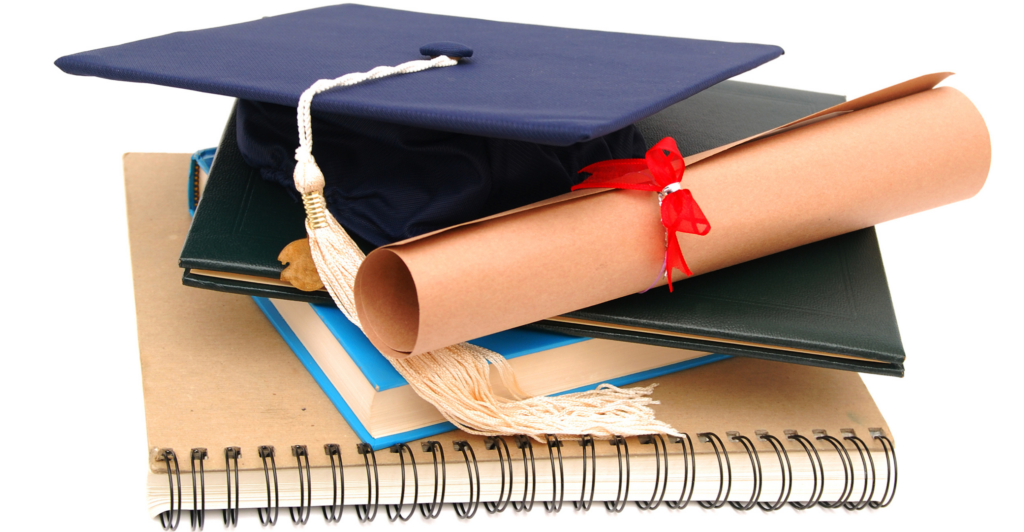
456 380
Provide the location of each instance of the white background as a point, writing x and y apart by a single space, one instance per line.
72 395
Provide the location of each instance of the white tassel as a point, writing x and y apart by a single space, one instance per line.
456 379
336 255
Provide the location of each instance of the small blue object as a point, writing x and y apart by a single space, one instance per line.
202 160
450 49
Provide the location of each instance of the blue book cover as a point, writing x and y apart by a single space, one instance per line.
382 375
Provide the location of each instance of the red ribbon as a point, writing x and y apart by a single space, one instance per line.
661 171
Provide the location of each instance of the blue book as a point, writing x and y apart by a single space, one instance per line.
383 410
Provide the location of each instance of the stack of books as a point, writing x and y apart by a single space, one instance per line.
263 396
784 432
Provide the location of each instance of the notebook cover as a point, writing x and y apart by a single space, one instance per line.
215 373
831 297
241 223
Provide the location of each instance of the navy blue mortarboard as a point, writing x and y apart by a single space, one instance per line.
500 116
512 123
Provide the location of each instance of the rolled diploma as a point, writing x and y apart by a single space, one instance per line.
775 193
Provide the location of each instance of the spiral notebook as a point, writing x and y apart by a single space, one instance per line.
220 383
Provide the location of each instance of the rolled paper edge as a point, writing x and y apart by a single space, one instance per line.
390 319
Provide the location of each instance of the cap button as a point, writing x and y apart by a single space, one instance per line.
450 49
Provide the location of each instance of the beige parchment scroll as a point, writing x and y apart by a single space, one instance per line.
899 151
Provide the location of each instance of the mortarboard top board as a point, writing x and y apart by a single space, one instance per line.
408 154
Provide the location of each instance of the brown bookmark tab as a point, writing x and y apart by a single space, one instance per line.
300 271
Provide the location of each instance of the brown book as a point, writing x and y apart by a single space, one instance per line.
216 375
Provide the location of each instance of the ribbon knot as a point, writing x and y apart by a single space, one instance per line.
660 171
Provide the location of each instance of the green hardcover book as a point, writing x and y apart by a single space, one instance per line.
826 304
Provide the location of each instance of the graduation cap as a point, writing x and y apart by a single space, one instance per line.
525 109
425 121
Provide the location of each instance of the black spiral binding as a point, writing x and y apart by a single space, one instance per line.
197 515
844 457
364 511
468 510
862 449
170 522
817 470
585 442
524 444
337 505
724 474
620 498
689 473
891 471
432 510
171 518
555 505
403 449
755 467
305 499
498 444
231 455
656 498
785 470
267 451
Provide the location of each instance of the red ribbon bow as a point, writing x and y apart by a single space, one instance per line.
661 171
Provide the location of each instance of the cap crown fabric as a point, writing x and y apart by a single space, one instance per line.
386 182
